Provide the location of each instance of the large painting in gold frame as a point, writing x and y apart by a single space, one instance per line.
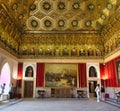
118 70
61 75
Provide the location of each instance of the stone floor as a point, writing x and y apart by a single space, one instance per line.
56 104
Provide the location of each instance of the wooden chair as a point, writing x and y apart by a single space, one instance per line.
81 93
41 93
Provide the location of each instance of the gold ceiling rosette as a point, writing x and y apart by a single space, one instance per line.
76 5
61 5
46 5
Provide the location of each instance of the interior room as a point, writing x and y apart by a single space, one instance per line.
59 49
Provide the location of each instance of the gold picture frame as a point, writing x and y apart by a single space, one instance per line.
117 63
61 75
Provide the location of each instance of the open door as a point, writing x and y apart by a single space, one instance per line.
92 85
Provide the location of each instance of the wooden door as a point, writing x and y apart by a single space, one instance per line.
28 89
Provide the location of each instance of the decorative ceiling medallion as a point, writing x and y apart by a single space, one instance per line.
102 16
74 23
88 23
46 6
109 6
91 6
76 5
61 5
47 23
34 23
61 23
32 7
15 6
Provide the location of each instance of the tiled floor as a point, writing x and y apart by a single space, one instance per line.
57 104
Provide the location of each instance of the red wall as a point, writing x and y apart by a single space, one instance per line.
102 75
40 75
82 74
110 73
107 74
19 76
17 94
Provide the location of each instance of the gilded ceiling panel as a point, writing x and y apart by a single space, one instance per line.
50 26
61 14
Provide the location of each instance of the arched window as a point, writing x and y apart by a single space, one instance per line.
5 78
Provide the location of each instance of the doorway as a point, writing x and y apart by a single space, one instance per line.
92 85
28 89
5 78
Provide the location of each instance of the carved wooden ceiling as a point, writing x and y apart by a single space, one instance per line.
27 25
61 15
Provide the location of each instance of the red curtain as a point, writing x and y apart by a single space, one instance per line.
40 75
110 73
102 74
82 75
19 76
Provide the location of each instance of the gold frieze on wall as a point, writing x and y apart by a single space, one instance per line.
9 34
8 24
61 46
112 43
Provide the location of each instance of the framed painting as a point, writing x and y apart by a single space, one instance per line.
92 71
118 71
61 75
29 71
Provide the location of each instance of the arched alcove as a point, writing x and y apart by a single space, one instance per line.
5 77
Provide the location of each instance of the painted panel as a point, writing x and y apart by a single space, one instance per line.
61 75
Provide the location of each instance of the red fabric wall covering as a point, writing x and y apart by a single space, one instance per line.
19 76
82 75
102 76
40 75
110 73
20 70
107 72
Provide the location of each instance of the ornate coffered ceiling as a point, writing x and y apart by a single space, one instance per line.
27 26
61 15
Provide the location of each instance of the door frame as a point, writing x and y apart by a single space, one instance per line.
34 86
97 67
93 87
98 82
